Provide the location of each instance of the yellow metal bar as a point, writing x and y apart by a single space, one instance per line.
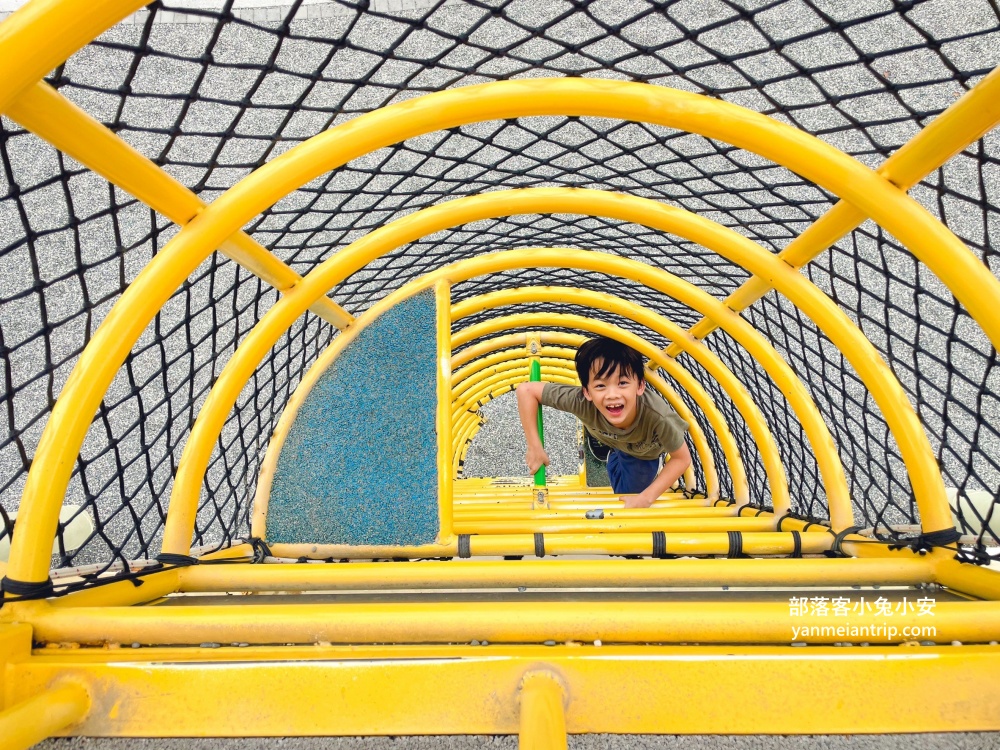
742 619
965 121
927 238
122 593
37 718
618 543
369 690
727 442
542 718
49 115
608 573
638 524
831 470
967 578
41 35
442 296
473 514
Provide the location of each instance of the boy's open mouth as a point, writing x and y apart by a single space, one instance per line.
615 411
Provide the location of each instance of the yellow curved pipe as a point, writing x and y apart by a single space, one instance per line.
489 360
459 389
965 121
831 470
701 447
45 33
923 235
727 442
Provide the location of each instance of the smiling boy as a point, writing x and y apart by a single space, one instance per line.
615 409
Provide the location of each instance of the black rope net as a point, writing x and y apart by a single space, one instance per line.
212 95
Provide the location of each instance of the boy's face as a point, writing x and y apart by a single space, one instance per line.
615 395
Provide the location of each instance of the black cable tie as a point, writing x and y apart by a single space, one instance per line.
735 544
178 561
27 589
539 545
797 541
260 549
838 539
464 546
659 545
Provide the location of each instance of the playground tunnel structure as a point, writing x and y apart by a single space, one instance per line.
274 288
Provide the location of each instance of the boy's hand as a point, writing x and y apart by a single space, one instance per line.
642 500
535 457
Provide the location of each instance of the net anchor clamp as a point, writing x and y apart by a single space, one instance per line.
540 499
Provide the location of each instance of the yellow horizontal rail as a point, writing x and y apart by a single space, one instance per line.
964 122
619 543
511 621
609 573
631 689
927 238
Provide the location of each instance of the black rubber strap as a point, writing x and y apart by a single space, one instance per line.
659 545
838 539
735 544
178 561
27 589
464 546
539 545
926 542
787 515
797 541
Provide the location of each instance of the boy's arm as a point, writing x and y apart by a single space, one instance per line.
529 401
676 465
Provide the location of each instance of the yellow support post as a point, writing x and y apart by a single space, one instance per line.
543 716
29 722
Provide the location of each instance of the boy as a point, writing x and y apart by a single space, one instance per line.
615 410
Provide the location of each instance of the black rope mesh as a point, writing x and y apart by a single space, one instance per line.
214 99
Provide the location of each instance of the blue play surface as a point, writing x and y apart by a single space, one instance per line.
359 465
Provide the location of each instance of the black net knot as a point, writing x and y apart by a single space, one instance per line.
260 549
27 589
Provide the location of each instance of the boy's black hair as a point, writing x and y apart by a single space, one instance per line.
613 355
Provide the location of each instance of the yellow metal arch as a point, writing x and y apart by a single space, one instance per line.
727 442
923 235
701 447
831 470
467 420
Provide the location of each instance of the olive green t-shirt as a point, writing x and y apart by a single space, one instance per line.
657 428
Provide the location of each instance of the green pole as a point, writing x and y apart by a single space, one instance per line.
535 376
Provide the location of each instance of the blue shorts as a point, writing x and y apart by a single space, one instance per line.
630 475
